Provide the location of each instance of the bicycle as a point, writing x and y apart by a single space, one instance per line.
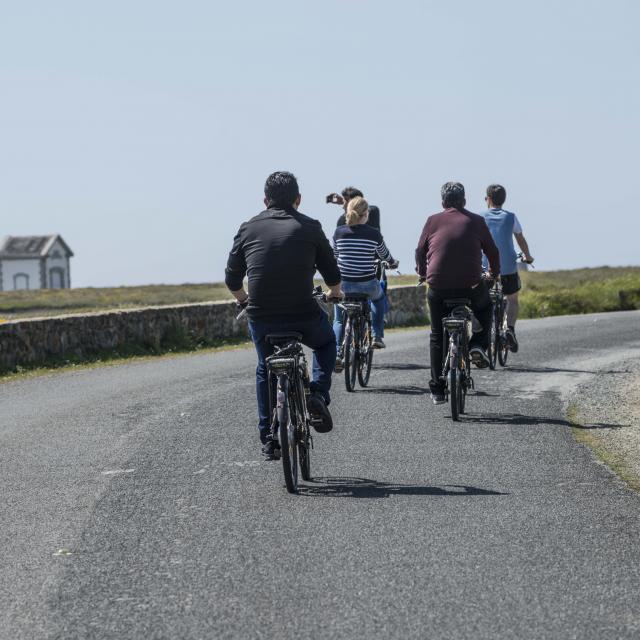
291 421
456 364
498 344
357 344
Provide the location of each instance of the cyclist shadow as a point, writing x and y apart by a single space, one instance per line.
366 488
518 419
532 369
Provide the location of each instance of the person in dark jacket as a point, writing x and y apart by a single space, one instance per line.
280 250
348 193
449 258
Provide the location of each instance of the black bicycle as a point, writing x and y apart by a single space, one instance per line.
291 421
357 344
498 344
456 363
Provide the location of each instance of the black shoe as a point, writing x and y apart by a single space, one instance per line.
271 449
438 397
321 419
378 343
512 342
479 357
339 366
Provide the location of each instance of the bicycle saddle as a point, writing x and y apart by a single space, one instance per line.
283 337
355 297
457 302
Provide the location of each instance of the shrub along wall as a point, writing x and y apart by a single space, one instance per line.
77 338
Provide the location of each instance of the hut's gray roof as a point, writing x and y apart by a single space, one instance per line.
30 246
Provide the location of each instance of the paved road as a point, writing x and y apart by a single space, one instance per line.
148 477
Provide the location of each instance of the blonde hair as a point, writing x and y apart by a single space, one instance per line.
357 209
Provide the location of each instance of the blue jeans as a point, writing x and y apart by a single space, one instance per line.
316 334
374 291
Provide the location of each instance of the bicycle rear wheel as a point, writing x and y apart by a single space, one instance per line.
462 390
503 347
454 388
288 434
350 356
365 358
493 338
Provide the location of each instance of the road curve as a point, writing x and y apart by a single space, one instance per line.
135 504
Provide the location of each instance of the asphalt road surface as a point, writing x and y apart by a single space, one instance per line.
135 504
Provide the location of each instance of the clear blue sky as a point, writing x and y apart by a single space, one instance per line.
142 131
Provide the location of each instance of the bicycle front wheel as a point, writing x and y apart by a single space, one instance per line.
365 359
288 434
350 356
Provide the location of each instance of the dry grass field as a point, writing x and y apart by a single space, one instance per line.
545 293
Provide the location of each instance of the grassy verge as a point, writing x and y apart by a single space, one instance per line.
545 293
611 459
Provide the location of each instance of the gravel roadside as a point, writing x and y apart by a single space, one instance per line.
606 412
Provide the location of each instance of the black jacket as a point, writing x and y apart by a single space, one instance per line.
373 221
280 250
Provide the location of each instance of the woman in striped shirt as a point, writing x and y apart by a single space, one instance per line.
357 246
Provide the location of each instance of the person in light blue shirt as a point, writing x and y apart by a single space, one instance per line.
504 227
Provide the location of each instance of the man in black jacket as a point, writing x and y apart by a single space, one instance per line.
280 250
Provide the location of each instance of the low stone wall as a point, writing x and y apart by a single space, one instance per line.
40 341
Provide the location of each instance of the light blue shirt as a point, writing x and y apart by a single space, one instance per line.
502 225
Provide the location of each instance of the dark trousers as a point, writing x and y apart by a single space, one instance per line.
316 334
481 305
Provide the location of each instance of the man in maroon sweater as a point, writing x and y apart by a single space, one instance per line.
449 258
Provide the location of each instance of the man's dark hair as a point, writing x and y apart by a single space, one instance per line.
497 193
452 195
281 189
348 193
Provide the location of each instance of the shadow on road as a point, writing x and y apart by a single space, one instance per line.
366 488
407 390
401 366
532 369
517 419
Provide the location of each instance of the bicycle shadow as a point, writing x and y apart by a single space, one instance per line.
401 366
520 420
334 487
407 390
533 369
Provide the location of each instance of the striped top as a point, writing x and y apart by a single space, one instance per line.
356 249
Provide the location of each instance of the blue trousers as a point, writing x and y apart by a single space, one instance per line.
374 291
316 334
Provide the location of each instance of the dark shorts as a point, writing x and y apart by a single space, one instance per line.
511 284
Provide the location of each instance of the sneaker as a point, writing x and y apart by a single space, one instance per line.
321 419
378 343
339 366
512 342
479 357
438 397
271 449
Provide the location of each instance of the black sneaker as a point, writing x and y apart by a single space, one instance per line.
438 397
378 343
479 357
512 342
339 366
271 449
321 419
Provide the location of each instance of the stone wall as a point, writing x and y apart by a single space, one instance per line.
40 341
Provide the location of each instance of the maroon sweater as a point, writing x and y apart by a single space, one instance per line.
449 253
